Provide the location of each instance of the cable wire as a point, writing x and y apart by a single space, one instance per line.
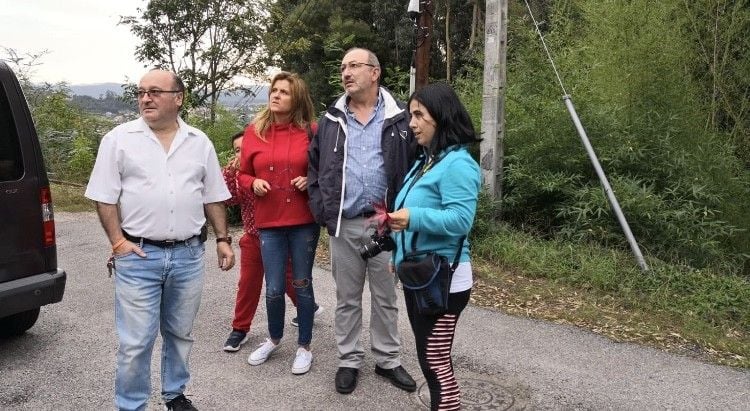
546 50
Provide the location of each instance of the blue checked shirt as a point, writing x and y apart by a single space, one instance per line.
365 170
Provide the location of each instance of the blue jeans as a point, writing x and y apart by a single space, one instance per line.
161 291
275 246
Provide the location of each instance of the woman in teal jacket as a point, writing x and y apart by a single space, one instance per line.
438 201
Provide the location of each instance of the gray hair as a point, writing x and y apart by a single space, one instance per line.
371 57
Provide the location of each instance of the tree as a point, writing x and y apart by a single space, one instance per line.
311 40
455 49
720 32
211 44
68 135
311 36
23 64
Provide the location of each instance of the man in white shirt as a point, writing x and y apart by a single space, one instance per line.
155 182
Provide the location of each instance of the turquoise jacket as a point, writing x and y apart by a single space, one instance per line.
442 205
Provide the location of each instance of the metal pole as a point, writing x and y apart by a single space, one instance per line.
605 184
592 155
412 80
412 10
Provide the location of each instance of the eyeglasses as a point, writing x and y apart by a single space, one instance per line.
353 65
154 93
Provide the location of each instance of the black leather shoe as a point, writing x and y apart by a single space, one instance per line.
346 380
399 377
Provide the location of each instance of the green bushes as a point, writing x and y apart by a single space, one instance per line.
69 137
626 66
707 297
220 131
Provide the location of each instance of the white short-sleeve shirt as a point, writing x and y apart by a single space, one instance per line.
160 195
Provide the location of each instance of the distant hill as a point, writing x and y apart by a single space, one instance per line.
261 97
95 90
99 90
109 104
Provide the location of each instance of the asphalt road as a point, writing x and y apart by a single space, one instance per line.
66 361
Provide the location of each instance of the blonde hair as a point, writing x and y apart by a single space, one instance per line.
302 113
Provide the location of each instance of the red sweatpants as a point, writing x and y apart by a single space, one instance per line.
251 282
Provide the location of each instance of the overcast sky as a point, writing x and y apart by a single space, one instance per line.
84 41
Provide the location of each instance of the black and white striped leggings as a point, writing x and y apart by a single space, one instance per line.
433 335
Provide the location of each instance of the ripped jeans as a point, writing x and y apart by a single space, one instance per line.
276 244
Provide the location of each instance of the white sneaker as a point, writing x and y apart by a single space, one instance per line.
260 355
302 361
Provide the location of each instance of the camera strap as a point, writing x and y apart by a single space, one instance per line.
422 168
416 174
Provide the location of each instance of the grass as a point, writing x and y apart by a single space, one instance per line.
696 312
691 312
69 197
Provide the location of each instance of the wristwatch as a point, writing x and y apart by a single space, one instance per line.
226 239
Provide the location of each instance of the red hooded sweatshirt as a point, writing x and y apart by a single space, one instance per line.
278 160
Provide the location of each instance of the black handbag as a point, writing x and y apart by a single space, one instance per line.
427 276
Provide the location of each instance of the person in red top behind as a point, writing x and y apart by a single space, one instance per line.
273 165
251 265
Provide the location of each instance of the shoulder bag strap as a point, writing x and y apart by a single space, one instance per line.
458 254
417 173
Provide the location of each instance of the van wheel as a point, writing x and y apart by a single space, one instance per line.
17 324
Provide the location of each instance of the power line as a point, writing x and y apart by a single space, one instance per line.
544 43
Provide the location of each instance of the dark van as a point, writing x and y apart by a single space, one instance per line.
29 276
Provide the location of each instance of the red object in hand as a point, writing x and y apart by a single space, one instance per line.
381 218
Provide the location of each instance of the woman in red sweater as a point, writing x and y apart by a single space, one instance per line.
273 165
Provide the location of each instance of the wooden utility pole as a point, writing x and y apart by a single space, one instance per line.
493 97
424 40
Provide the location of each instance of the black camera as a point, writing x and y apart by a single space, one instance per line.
377 244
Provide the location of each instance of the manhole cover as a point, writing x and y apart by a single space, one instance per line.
479 393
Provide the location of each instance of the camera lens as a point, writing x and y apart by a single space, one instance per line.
377 244
369 250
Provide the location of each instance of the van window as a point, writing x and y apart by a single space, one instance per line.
11 163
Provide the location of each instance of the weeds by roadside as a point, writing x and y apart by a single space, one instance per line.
69 197
695 312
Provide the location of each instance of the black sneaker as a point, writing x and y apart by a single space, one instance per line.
318 311
235 340
179 403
